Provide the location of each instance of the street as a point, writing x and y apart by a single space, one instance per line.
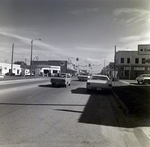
35 114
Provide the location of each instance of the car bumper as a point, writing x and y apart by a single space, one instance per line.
58 83
99 87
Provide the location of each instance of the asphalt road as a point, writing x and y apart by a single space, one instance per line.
34 114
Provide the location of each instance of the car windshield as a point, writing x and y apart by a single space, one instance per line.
62 75
99 78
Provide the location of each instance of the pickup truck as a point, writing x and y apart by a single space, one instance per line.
62 79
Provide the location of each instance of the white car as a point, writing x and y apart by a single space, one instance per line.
83 77
63 79
99 82
28 74
143 78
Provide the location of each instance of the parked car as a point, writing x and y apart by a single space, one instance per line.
9 74
99 82
28 74
83 77
62 79
143 78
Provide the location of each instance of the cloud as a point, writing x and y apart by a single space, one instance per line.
92 60
28 40
84 11
129 39
136 11
132 15
88 48
23 39
144 37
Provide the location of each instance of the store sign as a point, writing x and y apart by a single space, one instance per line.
139 68
144 49
55 67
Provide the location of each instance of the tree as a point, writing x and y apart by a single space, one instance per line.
20 63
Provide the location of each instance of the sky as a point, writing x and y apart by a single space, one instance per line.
85 29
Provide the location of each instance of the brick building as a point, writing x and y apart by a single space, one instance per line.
49 67
130 64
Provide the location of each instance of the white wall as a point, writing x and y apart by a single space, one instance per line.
51 69
5 67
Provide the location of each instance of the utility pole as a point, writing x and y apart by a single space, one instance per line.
115 63
31 55
130 69
12 59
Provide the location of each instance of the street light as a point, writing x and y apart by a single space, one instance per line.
31 54
130 68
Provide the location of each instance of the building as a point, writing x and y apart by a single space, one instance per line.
5 68
43 68
51 67
130 64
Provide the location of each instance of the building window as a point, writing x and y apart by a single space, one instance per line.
128 60
122 60
143 60
5 67
136 60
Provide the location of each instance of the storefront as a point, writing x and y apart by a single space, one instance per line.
130 64
132 72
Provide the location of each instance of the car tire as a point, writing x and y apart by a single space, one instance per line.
65 85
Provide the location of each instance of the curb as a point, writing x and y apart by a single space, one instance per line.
121 104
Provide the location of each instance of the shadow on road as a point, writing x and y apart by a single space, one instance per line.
81 90
50 86
46 86
94 111
66 110
34 104
135 98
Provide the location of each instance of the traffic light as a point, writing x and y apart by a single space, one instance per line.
77 59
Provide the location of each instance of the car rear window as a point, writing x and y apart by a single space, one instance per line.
99 78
